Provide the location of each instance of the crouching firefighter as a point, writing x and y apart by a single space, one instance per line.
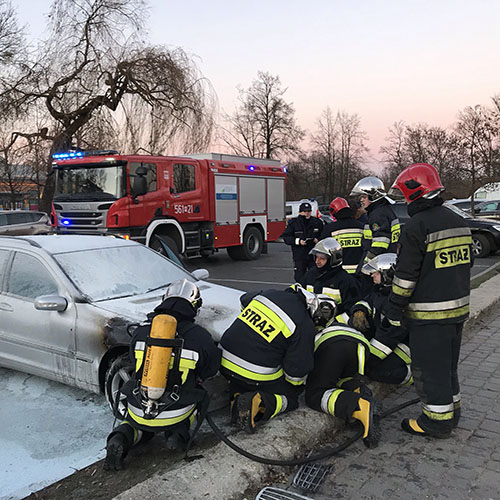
389 343
172 355
267 353
334 386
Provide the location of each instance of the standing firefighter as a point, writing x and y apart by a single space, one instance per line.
431 286
347 231
381 234
267 353
302 233
172 355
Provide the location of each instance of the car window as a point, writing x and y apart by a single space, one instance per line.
4 254
19 218
29 278
110 273
488 207
3 219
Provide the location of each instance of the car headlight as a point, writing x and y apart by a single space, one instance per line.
497 228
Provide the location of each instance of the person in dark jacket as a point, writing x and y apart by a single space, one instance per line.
389 345
347 231
329 278
302 233
431 290
335 386
381 234
196 358
267 353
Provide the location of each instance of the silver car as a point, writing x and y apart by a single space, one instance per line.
16 222
68 304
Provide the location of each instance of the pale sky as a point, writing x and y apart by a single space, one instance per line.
385 60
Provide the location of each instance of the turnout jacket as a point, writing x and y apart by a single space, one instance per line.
301 228
335 282
349 233
199 360
384 337
381 234
432 276
273 337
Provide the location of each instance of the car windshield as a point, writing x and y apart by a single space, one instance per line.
99 183
116 272
455 209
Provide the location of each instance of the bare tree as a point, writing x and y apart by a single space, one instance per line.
93 58
264 124
11 35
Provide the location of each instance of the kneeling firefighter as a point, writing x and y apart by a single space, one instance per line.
172 355
334 386
267 353
389 342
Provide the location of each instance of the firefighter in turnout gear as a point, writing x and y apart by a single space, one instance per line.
302 233
267 353
389 345
329 278
347 231
164 392
381 234
334 386
431 288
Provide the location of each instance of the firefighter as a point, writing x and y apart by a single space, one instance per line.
174 411
302 233
335 387
390 361
347 231
381 234
431 288
267 353
328 277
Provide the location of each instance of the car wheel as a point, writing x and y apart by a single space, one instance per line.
480 246
119 372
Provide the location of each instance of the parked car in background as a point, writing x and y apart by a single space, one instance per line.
485 233
488 209
68 304
463 203
18 222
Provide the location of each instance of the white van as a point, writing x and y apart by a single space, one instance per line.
292 208
490 191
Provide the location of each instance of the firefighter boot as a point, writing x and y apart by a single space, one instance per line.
365 415
233 408
116 450
411 426
250 410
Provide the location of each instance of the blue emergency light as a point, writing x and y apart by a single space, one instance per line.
67 156
65 222
285 170
251 167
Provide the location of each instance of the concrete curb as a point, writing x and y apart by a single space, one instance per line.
225 475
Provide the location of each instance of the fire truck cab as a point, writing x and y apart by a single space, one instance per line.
191 204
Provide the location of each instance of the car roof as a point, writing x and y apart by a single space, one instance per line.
61 243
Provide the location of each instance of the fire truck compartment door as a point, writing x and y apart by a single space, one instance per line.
275 200
252 195
226 199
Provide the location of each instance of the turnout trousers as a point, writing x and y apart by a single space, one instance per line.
435 348
330 386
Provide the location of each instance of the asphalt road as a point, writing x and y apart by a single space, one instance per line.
271 270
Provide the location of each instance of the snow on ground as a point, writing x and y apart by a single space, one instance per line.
47 431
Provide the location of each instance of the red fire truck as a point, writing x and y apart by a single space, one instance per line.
191 204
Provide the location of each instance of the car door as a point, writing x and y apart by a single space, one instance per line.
31 340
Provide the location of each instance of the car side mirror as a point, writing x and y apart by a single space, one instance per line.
51 303
201 274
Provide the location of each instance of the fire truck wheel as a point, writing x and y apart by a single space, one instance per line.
252 244
119 372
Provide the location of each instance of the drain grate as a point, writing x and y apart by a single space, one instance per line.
270 493
310 476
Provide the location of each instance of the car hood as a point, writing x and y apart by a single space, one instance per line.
220 307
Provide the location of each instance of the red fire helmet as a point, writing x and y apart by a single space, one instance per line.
420 180
338 204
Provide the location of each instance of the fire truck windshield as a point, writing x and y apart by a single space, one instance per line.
90 183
